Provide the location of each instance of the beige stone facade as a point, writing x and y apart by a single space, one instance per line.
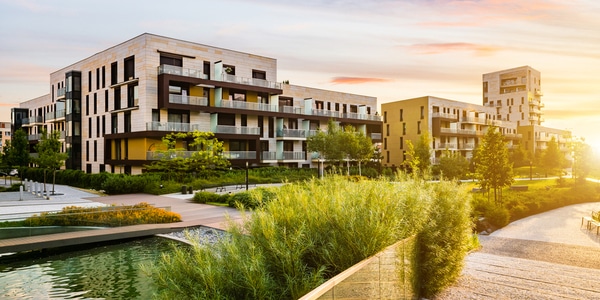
114 107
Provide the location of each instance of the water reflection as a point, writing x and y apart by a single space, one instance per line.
102 272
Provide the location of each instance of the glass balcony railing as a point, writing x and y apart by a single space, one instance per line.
266 155
239 154
291 109
292 133
173 70
60 93
291 155
326 113
156 155
248 105
251 81
53 115
191 100
34 137
174 127
227 129
376 136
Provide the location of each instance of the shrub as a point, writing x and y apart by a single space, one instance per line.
205 197
311 232
498 216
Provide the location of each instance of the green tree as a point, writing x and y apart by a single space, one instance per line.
582 160
518 157
493 170
552 159
356 146
420 155
327 143
203 151
49 152
452 165
16 152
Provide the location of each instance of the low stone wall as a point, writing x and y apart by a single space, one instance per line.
386 275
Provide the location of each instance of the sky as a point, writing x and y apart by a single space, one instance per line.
392 50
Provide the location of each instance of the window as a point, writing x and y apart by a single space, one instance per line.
422 112
237 95
387 129
226 119
171 61
259 74
401 142
87 105
89 81
418 127
403 128
129 73
117 98
244 120
401 115
229 69
155 115
132 95
206 70
89 127
113 73
97 78
95 103
103 76
387 157
385 144
127 122
384 116
114 124
95 150
106 101
103 125
87 150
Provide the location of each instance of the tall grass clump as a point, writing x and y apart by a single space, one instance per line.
305 234
445 239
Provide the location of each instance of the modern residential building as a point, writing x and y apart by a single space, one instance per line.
453 125
5 134
113 108
511 101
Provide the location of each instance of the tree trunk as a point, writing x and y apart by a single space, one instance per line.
359 169
44 181
53 180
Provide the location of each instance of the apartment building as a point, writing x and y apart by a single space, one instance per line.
511 101
113 108
453 125
515 94
5 134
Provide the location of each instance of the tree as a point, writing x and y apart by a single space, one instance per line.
452 165
552 159
518 157
49 152
203 151
327 143
420 155
493 170
16 152
359 147
582 160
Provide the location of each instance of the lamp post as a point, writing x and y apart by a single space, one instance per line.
530 170
246 176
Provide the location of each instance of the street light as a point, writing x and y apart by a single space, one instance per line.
246 176
530 169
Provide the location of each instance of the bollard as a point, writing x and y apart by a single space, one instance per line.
20 193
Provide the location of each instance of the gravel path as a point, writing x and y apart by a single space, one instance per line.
547 256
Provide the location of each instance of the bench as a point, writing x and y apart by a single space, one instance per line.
220 189
591 223
519 187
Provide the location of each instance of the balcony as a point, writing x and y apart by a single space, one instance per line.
375 136
538 93
174 127
458 131
326 113
190 100
292 133
493 122
34 137
56 115
467 146
513 135
291 110
251 81
227 129
39 120
291 155
239 154
156 155
173 70
266 155
444 116
249 105
446 146
60 93
474 120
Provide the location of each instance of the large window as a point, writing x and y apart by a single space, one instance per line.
259 74
129 68
171 61
226 119
237 95
117 98
114 71
114 124
132 95
127 122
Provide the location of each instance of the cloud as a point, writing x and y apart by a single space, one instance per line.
356 80
437 48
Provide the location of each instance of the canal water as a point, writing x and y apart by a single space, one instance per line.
100 271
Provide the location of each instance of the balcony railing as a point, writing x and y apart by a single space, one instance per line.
292 133
239 154
444 115
174 127
467 146
156 155
474 120
60 93
375 136
53 115
173 70
248 105
446 146
251 81
458 131
326 113
291 155
227 129
291 109
34 137
191 100
266 155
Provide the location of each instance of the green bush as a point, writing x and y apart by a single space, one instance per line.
308 232
498 216
205 197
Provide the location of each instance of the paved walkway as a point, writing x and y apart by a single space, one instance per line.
546 256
